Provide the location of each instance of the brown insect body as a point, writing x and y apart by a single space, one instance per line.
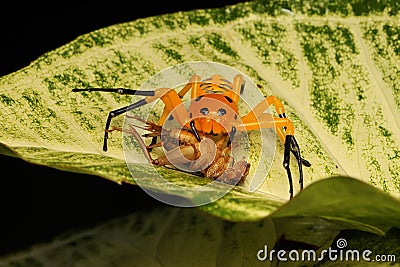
210 156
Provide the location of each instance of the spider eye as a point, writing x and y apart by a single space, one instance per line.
204 111
221 112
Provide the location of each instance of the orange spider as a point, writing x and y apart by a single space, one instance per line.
214 110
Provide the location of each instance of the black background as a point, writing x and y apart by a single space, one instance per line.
36 202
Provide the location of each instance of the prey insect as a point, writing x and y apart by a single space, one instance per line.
209 157
213 111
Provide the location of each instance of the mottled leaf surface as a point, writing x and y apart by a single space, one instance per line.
337 74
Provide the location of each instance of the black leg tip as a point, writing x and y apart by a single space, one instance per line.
305 162
105 144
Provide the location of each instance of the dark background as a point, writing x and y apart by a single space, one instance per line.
36 202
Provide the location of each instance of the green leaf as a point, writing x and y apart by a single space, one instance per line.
170 236
348 202
166 236
337 75
384 249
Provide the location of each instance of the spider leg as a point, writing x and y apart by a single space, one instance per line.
117 112
257 119
136 135
152 127
193 85
172 101
285 131
286 164
121 91
238 88
295 149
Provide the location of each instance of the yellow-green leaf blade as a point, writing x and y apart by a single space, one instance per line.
325 69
